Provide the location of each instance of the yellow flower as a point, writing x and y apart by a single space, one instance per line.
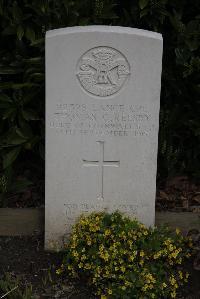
167 242
98 269
109 291
104 255
80 265
101 247
173 294
127 283
172 280
103 297
164 285
107 272
142 226
157 255
178 231
83 257
58 271
89 242
186 277
131 258
141 253
73 245
180 274
107 232
150 286
171 262
179 261
141 263
75 253
87 266
171 247
174 254
145 287
149 278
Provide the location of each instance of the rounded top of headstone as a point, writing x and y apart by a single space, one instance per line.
103 29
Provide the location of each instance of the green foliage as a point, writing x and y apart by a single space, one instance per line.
23 25
121 258
9 185
10 288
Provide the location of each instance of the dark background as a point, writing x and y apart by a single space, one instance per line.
23 25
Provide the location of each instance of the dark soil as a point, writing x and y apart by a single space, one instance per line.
178 194
24 257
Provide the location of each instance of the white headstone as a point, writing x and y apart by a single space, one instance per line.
102 120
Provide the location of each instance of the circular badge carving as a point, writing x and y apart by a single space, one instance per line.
102 71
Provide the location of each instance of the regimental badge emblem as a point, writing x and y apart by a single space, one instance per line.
102 71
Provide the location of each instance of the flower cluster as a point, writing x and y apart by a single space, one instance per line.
121 258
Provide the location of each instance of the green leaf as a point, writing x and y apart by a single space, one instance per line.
182 55
30 145
24 130
17 13
10 157
144 12
4 97
176 23
192 44
20 32
34 60
5 105
109 16
8 85
42 150
10 113
5 101
29 114
20 185
83 21
11 30
143 3
38 42
37 76
15 138
9 70
133 276
30 34
17 141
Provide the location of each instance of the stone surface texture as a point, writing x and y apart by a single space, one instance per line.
102 121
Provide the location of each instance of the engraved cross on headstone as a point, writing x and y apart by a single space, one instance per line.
101 163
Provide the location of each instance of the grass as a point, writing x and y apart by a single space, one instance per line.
10 288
